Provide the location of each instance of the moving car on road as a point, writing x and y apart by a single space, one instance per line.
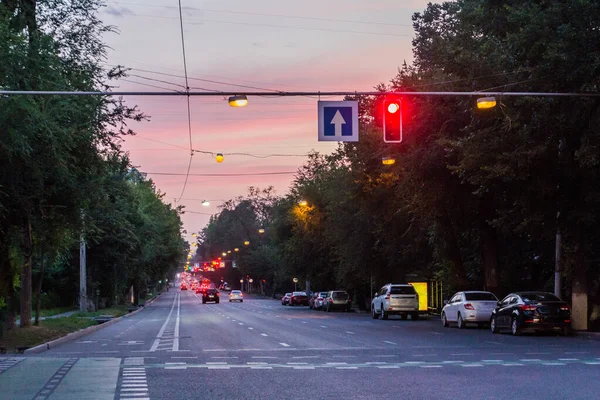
396 299
286 299
531 311
337 300
184 286
470 306
298 299
210 294
236 295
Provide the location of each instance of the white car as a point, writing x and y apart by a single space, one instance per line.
236 295
472 306
396 299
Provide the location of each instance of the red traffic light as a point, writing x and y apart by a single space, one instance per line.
392 108
392 121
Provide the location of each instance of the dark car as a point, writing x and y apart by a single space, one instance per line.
531 311
298 299
210 295
337 300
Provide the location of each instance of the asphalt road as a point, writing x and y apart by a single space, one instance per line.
179 348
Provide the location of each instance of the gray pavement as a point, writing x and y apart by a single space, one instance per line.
178 348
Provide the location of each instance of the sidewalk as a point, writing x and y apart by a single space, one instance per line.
65 314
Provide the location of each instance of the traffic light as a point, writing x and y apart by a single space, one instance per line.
392 121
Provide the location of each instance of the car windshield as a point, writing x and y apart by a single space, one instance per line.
299 294
480 296
402 290
538 297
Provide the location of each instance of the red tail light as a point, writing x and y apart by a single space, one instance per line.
469 306
331 300
217 293
528 308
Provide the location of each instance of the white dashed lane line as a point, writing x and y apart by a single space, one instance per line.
284 344
263 334
388 342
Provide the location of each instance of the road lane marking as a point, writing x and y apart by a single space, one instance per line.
553 363
263 334
297 363
471 365
224 357
323 326
388 342
430 366
284 344
346 367
162 329
176 340
298 357
250 328
488 341
387 356
490 361
257 357
592 362
535 354
530 359
462 354
568 359
388 367
341 356
350 333
436 333
513 365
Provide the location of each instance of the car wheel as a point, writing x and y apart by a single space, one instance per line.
493 326
328 309
566 331
230 301
461 324
414 316
203 302
373 313
444 320
241 301
515 328
384 315
217 302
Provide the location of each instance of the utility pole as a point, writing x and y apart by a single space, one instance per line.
557 261
82 271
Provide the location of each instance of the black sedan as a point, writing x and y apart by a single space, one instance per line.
531 311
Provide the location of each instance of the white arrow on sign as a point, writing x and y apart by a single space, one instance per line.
338 121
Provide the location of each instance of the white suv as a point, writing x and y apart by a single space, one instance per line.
396 299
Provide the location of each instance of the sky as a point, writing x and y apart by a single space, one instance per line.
231 45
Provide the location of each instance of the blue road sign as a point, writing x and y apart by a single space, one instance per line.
338 121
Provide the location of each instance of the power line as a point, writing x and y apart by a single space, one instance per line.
189 111
223 174
146 84
273 15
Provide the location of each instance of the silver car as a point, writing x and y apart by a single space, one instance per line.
472 306
396 299
236 295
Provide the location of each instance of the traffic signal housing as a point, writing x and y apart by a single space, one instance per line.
392 120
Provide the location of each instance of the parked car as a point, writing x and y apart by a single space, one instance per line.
396 299
312 300
210 294
236 295
320 300
471 306
337 300
286 299
298 299
531 311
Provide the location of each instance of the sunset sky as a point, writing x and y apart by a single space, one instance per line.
308 45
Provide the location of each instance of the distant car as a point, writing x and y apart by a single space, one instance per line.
211 294
184 286
286 299
337 300
236 295
298 299
531 311
471 306
320 300
312 300
396 299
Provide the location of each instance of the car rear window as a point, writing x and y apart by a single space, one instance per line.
538 297
299 294
211 291
323 294
402 290
339 295
480 297
235 292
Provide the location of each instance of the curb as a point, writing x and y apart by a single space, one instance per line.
86 331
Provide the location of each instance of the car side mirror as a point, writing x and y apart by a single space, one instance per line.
445 302
499 304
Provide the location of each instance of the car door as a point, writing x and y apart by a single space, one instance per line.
504 311
452 312
377 299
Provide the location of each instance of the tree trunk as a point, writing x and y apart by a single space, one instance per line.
579 296
27 247
7 288
453 252
489 247
38 290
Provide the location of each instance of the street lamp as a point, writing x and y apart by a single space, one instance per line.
224 254
236 249
238 101
261 230
205 203
219 158
388 161
247 243
295 282
228 251
303 203
194 234
484 103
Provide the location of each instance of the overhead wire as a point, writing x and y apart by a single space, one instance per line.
223 174
189 111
